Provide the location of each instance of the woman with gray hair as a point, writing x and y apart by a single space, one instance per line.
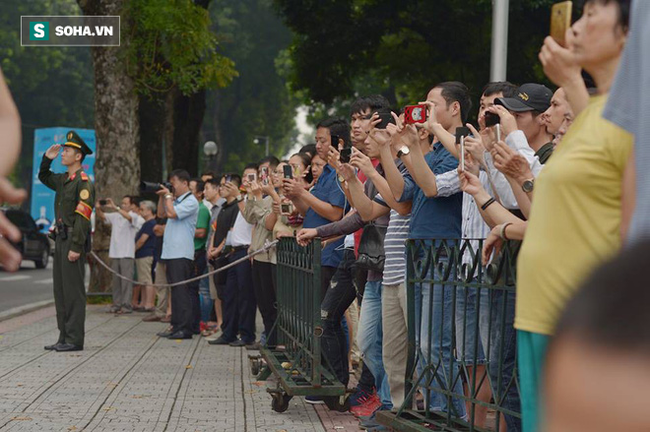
144 250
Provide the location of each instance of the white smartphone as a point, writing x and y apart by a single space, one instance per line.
498 129
462 152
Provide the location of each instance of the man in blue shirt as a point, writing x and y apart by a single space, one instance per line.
435 218
326 202
181 210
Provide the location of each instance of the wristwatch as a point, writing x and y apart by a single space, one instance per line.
403 151
169 196
528 185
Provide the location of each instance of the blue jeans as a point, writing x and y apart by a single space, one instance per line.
499 336
204 297
469 326
434 320
370 339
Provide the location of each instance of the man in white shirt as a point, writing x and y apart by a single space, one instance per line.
125 225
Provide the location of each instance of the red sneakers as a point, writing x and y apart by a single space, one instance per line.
367 407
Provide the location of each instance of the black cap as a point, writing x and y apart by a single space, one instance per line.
73 140
529 97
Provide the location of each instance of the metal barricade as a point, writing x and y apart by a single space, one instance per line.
462 372
296 359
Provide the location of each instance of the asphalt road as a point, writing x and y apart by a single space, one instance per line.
27 285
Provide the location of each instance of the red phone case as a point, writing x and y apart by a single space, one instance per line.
415 114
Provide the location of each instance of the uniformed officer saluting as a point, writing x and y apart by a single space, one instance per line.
75 195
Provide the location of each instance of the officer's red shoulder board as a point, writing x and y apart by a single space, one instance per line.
84 210
84 176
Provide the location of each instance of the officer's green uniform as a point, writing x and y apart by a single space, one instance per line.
73 206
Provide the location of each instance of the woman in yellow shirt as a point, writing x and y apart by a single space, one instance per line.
576 215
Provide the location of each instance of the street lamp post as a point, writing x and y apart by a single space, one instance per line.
210 149
258 139
499 57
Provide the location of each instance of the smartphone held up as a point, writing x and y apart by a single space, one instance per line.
415 114
344 155
461 133
561 21
265 175
491 119
287 171
286 208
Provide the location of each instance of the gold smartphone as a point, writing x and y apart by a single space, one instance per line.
560 21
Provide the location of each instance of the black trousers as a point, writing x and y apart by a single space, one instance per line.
238 301
338 298
185 298
69 293
264 286
326 273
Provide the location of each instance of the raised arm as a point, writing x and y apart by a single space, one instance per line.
47 177
561 67
492 212
418 167
367 209
304 200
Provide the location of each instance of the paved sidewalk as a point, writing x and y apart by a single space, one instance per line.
127 379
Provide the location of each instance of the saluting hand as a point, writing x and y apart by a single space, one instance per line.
53 151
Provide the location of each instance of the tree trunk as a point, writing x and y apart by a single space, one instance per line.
117 167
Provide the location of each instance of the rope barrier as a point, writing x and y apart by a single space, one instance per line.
268 245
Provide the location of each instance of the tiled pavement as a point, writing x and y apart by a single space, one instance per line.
127 379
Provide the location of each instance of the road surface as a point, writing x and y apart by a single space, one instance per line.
27 285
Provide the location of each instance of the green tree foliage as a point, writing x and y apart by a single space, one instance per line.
258 102
52 86
171 45
401 49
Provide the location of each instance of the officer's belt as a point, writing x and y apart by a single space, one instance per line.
65 228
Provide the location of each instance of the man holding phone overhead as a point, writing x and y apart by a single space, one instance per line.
434 217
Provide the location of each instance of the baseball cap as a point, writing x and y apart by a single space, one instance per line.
529 97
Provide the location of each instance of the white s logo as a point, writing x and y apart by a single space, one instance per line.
39 30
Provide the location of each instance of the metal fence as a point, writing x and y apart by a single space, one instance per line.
462 372
296 360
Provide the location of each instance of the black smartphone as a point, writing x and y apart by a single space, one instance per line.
344 156
335 141
102 202
288 171
491 119
385 118
461 132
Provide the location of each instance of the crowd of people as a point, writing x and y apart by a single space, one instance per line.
383 174
543 167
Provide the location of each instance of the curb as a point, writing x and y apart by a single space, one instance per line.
25 309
